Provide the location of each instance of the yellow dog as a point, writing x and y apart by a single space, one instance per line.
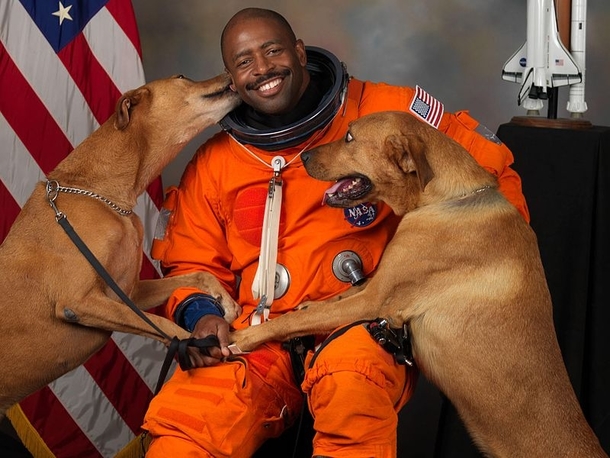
56 311
464 272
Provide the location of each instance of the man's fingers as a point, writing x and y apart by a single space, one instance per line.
199 359
223 340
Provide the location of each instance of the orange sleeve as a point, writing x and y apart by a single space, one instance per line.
193 238
491 154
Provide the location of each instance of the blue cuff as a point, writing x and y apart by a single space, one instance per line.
194 307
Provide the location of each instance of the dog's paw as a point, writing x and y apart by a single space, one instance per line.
232 309
208 283
245 340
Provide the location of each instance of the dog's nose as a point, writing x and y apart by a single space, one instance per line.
305 157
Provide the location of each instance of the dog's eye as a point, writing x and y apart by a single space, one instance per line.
348 137
180 77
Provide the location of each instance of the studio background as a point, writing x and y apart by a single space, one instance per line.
454 49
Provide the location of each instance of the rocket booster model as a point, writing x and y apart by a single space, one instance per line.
578 32
542 62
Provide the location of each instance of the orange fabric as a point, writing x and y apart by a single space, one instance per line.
216 216
496 161
215 226
355 396
228 410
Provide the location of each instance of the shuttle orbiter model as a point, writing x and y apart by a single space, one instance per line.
542 62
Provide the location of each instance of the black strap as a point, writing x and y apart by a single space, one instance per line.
63 221
176 346
171 351
333 336
298 348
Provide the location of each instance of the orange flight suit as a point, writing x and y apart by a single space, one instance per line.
354 389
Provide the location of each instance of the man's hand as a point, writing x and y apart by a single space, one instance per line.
210 325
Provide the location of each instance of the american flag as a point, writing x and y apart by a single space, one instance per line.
426 107
63 66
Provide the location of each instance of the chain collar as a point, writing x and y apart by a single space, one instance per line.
53 188
477 191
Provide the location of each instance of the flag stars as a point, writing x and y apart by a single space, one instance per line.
63 13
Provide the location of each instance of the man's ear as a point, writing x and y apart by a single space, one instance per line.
232 85
302 53
125 105
410 156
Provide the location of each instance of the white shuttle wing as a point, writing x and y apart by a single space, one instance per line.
544 63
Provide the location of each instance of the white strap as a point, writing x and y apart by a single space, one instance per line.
263 285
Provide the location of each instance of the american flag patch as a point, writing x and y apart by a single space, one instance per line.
426 107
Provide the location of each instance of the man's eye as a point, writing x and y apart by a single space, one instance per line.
348 137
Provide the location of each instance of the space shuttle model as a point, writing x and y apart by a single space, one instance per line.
543 62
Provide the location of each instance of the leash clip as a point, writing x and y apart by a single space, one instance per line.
261 313
262 305
52 188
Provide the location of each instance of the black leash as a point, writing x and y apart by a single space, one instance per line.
84 249
176 346
298 348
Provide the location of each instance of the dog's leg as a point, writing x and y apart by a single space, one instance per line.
105 313
151 293
312 318
341 296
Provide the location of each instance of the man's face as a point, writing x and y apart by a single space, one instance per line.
267 67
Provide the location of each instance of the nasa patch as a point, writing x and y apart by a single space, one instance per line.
361 215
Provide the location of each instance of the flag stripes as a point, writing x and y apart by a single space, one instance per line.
59 83
426 107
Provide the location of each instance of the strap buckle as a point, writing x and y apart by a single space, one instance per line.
394 341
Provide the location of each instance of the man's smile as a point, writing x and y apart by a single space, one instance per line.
269 85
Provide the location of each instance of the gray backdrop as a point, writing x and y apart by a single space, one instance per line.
454 49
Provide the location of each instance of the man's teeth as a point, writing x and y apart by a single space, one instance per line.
269 85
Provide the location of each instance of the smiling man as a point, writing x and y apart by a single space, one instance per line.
269 73
248 212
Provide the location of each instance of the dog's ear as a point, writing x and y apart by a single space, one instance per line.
410 154
124 106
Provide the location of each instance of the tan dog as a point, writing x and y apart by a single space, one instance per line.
56 311
464 271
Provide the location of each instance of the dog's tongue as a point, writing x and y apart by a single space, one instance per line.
333 189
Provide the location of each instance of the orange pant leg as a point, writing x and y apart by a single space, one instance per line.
227 410
355 391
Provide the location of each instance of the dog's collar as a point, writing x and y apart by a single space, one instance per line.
476 191
53 188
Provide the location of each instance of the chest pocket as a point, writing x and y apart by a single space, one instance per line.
248 214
